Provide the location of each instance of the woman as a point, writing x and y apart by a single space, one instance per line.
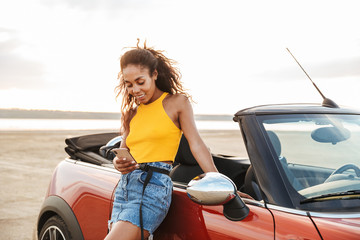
155 113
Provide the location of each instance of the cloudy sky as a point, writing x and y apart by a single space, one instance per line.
64 54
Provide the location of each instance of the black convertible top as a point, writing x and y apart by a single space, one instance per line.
87 147
293 108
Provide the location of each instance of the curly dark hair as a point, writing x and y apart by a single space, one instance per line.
168 79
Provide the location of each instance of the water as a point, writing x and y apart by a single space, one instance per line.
16 124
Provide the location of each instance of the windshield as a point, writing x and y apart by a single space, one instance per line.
319 153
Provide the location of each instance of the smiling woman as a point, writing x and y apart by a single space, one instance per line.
149 69
155 113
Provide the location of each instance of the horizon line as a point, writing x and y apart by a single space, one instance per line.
64 114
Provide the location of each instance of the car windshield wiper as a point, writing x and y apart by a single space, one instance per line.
352 194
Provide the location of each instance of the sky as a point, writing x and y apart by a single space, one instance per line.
64 54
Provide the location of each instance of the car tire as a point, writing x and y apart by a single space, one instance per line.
54 228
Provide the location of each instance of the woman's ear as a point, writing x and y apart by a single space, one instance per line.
155 74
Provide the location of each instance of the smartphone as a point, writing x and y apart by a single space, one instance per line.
123 153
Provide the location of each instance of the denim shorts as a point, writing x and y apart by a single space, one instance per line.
156 200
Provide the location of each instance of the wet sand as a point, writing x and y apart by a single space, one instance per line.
28 158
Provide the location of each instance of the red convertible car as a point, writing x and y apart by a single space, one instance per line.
302 172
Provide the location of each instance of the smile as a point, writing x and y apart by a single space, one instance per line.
140 96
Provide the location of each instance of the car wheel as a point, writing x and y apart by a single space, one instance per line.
54 229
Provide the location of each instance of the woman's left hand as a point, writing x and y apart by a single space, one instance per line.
124 165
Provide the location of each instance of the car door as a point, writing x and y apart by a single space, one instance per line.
293 224
188 220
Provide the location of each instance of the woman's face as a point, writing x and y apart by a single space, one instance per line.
139 83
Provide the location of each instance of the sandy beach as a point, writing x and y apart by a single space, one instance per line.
28 158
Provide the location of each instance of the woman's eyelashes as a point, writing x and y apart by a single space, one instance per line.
130 85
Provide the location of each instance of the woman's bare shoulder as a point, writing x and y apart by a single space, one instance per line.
178 98
180 103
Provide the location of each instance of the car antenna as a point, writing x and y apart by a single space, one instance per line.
326 101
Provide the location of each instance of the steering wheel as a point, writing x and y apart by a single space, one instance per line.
342 169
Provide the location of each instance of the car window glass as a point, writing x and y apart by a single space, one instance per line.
312 147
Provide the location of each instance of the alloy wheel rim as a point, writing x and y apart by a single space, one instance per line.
53 233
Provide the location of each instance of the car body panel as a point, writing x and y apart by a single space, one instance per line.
188 220
338 228
294 226
257 225
88 190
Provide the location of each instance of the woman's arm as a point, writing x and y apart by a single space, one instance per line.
197 145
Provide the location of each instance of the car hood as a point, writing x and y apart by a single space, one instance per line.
338 228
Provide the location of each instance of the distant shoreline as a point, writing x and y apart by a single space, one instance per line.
57 114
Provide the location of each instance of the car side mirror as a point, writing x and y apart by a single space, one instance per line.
214 188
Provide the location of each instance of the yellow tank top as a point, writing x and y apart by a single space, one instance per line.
153 136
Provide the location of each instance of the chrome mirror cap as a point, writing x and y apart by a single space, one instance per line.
211 188
214 188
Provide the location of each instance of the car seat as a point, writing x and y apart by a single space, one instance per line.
252 188
250 184
185 165
290 175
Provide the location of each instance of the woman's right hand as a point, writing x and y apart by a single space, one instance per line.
124 166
